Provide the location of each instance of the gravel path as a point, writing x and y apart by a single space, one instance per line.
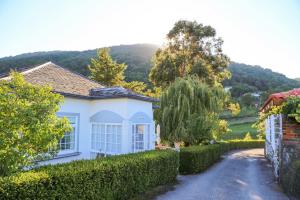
242 175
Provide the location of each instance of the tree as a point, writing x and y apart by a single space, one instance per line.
105 70
248 100
29 127
136 86
189 110
192 49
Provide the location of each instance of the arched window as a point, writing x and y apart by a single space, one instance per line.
106 132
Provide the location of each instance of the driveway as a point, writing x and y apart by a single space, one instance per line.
241 175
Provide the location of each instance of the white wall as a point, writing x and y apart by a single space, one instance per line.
124 107
273 141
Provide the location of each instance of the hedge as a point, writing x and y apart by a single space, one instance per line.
195 159
117 177
291 180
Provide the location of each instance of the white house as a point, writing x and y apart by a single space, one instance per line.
106 121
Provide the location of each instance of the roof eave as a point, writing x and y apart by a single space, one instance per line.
148 99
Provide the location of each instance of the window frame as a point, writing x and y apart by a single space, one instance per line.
76 133
104 150
146 139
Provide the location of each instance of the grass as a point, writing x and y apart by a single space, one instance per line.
240 128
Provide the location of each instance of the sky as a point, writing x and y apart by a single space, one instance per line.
256 32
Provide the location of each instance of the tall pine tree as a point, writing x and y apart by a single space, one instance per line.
105 70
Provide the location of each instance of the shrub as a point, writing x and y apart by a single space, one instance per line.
291 180
195 159
244 144
117 177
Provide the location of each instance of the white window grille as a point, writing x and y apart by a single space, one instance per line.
68 141
106 138
140 137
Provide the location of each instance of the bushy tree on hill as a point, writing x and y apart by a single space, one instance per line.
190 69
29 127
192 49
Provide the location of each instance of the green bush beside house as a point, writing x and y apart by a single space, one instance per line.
117 177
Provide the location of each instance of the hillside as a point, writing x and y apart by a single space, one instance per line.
248 78
245 78
137 57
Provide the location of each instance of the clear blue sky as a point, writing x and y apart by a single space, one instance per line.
261 32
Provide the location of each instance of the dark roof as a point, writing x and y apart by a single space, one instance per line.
118 92
75 85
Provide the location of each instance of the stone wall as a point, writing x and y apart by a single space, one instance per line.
290 143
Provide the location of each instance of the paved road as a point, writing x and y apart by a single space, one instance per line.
242 175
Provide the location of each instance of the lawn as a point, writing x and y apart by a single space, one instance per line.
239 129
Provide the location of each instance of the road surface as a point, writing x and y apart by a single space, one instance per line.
241 175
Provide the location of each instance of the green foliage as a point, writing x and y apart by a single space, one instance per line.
239 89
248 136
141 88
136 86
138 59
292 108
248 78
105 70
245 112
29 126
291 179
248 100
117 177
234 108
239 131
192 49
220 130
296 115
195 159
189 110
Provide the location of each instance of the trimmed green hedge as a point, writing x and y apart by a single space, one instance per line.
195 159
291 180
117 177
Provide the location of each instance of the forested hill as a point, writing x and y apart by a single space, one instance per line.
137 57
249 78
245 78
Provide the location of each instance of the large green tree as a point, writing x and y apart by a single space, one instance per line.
29 127
191 49
189 110
105 70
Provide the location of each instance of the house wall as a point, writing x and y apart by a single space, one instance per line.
130 111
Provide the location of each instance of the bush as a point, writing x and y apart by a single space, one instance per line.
117 177
291 180
244 144
195 159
